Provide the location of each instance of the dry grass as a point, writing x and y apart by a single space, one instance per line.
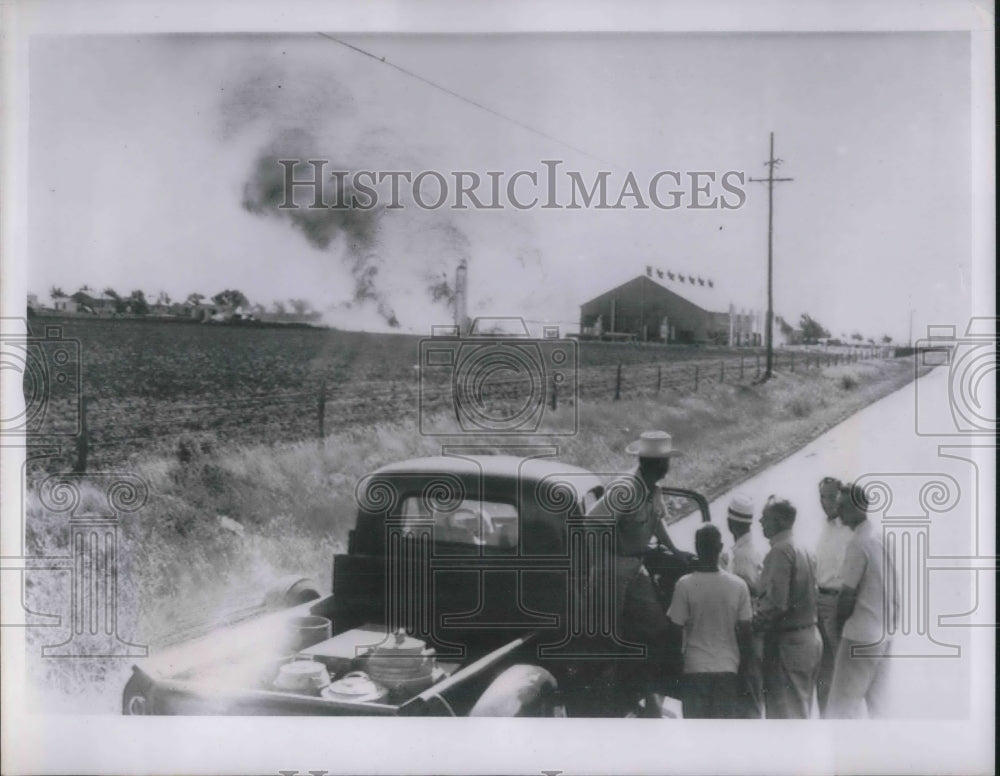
295 503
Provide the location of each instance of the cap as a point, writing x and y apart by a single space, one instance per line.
741 508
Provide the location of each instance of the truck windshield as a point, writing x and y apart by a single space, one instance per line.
469 524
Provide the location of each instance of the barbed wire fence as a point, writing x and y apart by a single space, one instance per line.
112 431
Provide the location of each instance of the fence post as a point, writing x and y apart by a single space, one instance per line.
555 393
722 371
696 377
321 414
659 378
758 365
83 440
791 362
741 368
618 382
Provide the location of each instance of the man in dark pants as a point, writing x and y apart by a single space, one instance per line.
787 617
829 558
713 608
746 563
635 503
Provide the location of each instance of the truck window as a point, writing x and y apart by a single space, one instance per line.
466 527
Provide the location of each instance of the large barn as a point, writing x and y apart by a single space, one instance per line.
681 309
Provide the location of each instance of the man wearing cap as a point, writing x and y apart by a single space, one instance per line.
747 563
712 607
635 503
829 558
868 610
786 615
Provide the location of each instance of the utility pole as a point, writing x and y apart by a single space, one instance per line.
769 323
642 311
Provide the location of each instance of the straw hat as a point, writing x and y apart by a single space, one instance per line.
653 444
741 508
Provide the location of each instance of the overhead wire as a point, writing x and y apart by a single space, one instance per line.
468 100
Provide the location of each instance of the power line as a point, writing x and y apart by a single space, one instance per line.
463 98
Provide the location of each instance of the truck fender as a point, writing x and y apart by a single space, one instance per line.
520 691
291 591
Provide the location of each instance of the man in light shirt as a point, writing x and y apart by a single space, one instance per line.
867 608
746 563
829 558
712 607
747 560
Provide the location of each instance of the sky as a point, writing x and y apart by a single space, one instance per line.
150 159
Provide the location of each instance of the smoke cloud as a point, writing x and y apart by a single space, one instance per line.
264 193
399 264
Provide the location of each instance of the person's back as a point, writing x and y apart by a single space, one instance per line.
709 605
713 609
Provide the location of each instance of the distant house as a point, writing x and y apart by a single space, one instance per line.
203 312
103 305
65 304
786 334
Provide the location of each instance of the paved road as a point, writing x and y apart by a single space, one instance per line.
937 674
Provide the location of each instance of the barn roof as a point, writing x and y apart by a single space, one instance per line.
709 298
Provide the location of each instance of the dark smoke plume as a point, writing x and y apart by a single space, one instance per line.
264 193
402 263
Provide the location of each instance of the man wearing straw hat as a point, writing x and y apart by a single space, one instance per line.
747 563
635 503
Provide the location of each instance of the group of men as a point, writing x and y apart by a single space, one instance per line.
758 635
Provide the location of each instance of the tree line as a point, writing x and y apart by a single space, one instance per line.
137 303
813 331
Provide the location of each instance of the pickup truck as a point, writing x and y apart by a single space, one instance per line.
464 591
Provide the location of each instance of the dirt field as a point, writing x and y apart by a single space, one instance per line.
149 384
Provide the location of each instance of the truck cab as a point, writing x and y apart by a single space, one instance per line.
466 589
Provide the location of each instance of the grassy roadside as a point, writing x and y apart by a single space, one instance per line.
288 509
